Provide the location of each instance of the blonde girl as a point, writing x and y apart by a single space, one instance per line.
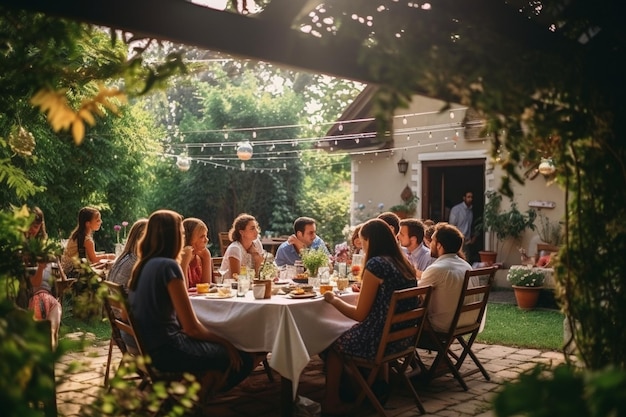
196 258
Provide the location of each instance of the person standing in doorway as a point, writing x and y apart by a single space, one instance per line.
462 216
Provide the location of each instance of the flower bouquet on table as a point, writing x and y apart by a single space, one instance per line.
342 252
524 276
313 259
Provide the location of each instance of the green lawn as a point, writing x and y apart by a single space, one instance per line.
508 325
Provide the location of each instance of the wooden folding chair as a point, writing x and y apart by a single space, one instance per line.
122 319
402 327
224 241
464 328
117 311
113 314
62 282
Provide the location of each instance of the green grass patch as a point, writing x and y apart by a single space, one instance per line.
508 325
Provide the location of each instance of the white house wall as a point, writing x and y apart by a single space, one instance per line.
426 134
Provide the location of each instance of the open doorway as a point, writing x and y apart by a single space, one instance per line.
445 182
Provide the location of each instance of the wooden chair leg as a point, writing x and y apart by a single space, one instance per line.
268 370
108 368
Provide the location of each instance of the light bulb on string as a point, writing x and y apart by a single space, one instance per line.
221 147
243 166
340 127
408 137
451 114
244 150
254 134
430 135
404 121
183 163
356 140
226 135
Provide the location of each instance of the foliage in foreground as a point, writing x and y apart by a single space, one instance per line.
564 392
161 399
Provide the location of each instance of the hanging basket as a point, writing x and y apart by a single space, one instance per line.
526 297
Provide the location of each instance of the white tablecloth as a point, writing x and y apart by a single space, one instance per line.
292 329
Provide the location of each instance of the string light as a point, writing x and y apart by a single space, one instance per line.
321 142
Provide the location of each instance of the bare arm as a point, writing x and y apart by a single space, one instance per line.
293 240
190 323
186 257
90 252
207 265
257 256
37 278
358 312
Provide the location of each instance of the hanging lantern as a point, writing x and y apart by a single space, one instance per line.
244 150
183 163
546 167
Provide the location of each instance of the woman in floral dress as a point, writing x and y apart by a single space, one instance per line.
386 270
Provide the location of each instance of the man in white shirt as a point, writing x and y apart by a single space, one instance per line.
411 236
462 217
446 275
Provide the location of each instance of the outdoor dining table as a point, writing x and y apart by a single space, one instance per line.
293 330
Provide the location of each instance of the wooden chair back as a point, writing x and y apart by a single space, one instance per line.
466 322
396 349
224 241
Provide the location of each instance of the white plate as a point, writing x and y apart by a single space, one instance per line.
305 295
218 295
281 282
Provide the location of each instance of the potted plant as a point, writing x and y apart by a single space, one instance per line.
527 283
408 206
550 234
313 259
502 225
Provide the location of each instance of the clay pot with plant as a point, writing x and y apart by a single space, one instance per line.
504 225
408 206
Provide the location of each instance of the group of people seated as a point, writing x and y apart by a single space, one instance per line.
165 255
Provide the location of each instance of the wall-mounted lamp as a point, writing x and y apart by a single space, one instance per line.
546 167
403 166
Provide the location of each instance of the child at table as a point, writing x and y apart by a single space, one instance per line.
196 259
81 244
166 323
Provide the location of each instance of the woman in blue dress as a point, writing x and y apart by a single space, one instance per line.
386 270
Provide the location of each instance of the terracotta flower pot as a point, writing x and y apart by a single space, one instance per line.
488 257
526 297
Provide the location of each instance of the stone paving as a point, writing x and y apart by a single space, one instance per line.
258 397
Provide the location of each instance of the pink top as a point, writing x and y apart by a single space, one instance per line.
194 272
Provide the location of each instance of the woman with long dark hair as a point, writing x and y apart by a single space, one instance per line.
166 323
81 244
386 270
